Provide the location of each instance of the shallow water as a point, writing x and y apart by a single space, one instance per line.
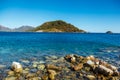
15 46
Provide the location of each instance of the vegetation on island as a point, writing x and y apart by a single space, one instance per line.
109 32
57 26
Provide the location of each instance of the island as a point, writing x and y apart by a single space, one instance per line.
57 26
109 32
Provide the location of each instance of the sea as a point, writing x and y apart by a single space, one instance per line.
16 46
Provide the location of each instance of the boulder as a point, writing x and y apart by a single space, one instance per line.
78 67
17 67
53 67
104 70
90 63
41 67
52 74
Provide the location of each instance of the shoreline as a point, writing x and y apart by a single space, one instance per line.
70 67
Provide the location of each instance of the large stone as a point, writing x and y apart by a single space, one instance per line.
34 65
17 67
30 75
44 77
90 77
25 72
78 67
91 57
41 67
10 78
104 70
90 63
53 67
73 59
11 73
52 74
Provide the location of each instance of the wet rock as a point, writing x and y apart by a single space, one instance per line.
70 58
44 77
53 57
35 62
41 67
25 72
90 77
78 67
90 63
25 61
30 75
27 69
33 70
11 73
87 68
71 67
17 67
112 67
91 57
34 65
73 59
2 66
52 74
53 67
11 78
42 62
104 70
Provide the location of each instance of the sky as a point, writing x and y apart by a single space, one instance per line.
89 15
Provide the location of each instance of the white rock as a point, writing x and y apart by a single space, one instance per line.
90 62
92 57
42 62
106 69
17 67
41 67
73 59
113 67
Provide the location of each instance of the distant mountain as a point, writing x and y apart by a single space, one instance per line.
3 28
23 29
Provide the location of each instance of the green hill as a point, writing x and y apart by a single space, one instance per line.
57 26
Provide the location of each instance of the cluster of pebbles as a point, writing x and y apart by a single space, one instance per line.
70 67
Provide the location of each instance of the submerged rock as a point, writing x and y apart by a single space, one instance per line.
41 67
2 66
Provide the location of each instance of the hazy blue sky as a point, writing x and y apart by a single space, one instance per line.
89 15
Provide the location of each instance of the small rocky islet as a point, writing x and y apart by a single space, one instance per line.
69 67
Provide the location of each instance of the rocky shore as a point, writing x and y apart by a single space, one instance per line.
70 67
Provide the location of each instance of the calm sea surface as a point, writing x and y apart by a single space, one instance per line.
15 46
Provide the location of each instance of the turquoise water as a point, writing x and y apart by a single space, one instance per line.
15 46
